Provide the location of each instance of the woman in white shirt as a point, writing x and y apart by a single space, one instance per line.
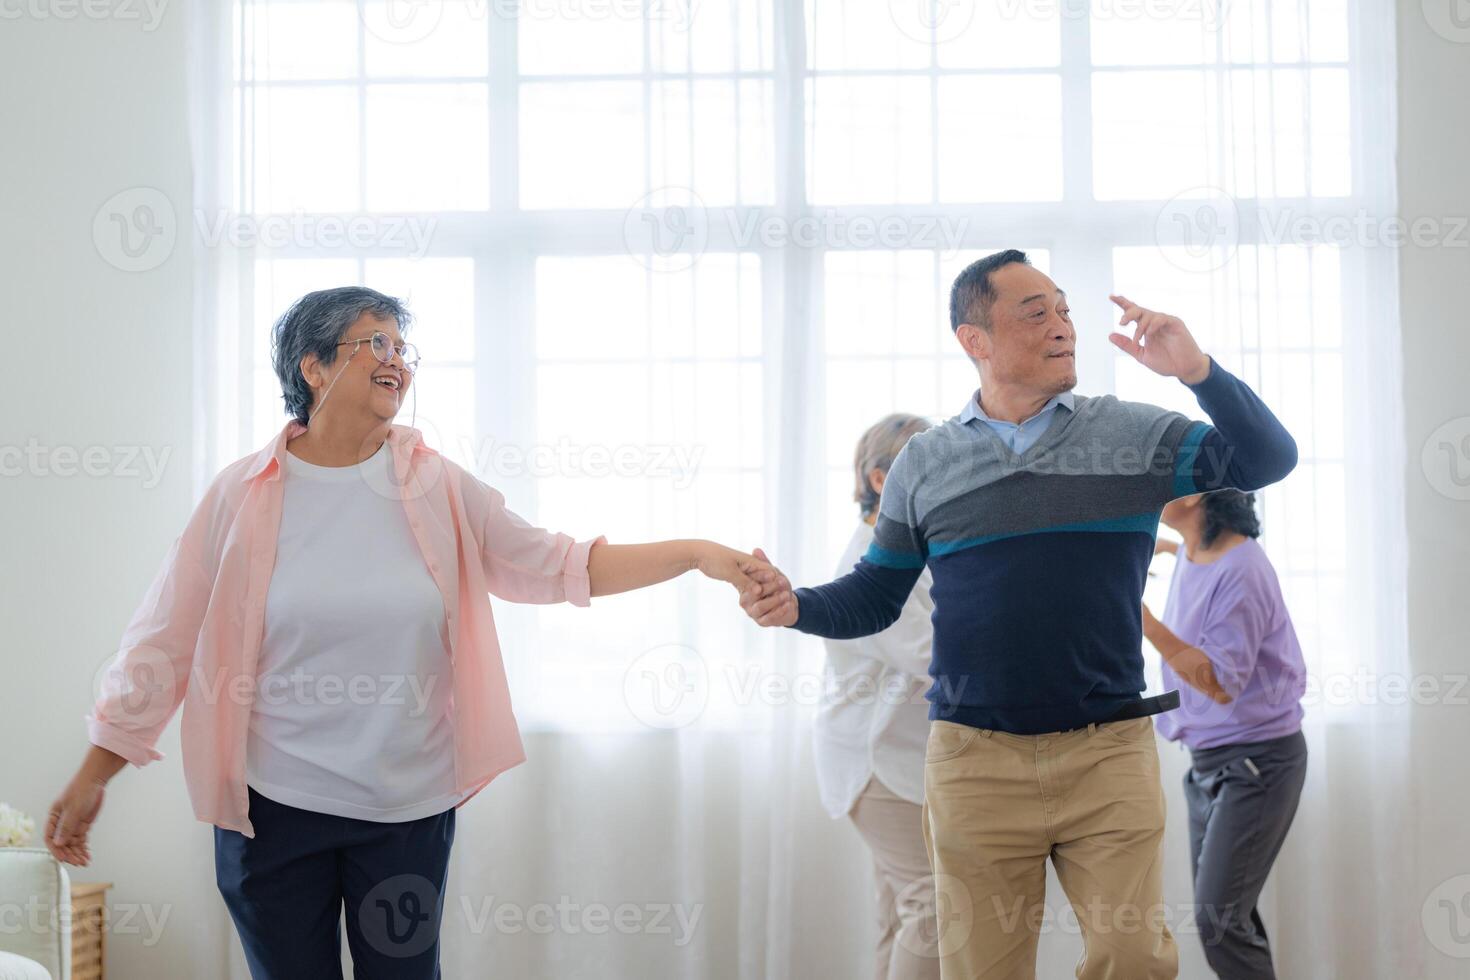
871 731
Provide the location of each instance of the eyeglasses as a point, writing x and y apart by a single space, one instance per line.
384 349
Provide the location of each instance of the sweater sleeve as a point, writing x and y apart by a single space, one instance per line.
1247 447
866 600
870 598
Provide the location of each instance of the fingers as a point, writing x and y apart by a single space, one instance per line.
1127 346
784 614
764 605
1207 683
65 842
1131 310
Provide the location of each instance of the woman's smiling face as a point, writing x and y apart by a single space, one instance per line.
359 383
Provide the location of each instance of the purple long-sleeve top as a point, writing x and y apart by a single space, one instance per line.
1232 609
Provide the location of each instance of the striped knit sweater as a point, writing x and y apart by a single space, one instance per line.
1039 560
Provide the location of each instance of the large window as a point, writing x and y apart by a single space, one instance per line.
670 259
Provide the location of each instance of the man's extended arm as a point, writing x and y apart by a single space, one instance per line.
866 600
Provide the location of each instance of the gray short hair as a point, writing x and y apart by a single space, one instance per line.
313 325
877 449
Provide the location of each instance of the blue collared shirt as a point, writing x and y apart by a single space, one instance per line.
1023 436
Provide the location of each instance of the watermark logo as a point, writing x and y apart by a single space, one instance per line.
667 229
148 12
667 687
135 230
932 21
1450 19
139 685
1446 917
399 916
1446 459
1203 227
402 21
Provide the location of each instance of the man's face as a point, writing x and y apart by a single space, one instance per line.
1030 342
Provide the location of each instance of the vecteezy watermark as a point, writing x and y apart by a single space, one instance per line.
1200 229
941 21
409 234
399 916
145 463
1445 459
38 918
1446 917
571 918
1450 19
667 687
411 21
932 21
668 229
136 230
149 13
567 459
672 686
141 685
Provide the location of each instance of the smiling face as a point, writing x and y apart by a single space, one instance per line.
1029 343
360 384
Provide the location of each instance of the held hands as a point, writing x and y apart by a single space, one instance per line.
1160 343
772 603
736 567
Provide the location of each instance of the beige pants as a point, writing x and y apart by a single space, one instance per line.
893 829
998 805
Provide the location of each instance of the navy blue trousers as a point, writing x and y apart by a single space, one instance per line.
287 887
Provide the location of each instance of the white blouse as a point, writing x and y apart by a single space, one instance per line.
351 713
874 720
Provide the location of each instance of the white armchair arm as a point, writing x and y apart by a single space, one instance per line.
37 890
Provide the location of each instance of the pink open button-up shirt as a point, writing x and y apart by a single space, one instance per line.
195 639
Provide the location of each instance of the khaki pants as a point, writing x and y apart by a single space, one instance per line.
893 829
998 805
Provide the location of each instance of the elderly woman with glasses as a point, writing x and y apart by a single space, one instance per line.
324 620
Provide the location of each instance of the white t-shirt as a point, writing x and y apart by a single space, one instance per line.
874 720
351 713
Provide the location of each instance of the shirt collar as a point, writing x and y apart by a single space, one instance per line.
402 440
973 410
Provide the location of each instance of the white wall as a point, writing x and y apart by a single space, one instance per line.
95 357
1434 181
90 108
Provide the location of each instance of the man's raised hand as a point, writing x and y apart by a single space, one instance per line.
775 604
1161 343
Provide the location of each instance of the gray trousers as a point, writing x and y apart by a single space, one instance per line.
1242 799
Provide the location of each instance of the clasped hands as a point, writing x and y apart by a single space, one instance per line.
771 601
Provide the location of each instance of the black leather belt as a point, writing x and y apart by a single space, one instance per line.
1142 708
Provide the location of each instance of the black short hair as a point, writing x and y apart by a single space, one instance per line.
972 294
1230 510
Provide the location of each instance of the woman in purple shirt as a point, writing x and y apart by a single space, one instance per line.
1226 627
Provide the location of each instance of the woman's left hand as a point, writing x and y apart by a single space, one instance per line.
736 567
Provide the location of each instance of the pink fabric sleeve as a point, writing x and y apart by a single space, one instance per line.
524 563
145 682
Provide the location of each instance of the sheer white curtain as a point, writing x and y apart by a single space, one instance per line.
670 258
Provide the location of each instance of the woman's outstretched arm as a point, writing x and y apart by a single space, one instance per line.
615 568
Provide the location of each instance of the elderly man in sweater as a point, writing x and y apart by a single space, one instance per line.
1035 511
